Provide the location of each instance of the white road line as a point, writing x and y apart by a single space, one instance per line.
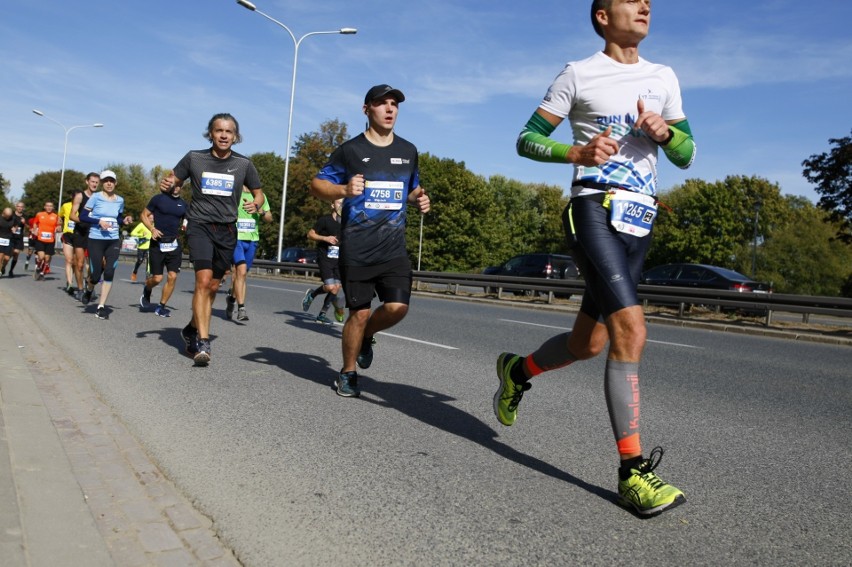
568 329
309 318
276 288
418 341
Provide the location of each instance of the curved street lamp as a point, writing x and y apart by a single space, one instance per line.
296 43
65 151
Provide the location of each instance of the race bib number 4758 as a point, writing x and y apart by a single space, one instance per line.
384 195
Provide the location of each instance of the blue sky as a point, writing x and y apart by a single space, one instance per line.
765 83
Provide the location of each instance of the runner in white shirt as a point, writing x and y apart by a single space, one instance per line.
622 110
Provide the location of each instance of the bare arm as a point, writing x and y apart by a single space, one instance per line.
147 218
317 237
328 191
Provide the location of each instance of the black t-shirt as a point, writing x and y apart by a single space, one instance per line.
328 226
168 212
18 226
373 224
6 227
216 184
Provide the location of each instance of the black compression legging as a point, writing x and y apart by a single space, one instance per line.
103 259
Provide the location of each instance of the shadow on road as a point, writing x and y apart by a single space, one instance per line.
427 406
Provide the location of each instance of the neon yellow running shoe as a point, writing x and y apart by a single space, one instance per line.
509 394
647 493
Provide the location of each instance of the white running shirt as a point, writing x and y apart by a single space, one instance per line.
599 92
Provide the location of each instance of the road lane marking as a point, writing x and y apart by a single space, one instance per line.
569 330
417 341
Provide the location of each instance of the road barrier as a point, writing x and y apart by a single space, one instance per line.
763 304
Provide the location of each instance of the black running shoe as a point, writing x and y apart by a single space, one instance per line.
230 302
190 338
202 357
365 357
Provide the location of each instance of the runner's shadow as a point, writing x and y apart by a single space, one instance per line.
169 336
427 406
307 322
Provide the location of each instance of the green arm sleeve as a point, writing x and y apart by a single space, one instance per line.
534 143
680 148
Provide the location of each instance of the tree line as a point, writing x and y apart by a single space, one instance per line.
742 223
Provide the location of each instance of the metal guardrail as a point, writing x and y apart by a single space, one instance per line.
761 303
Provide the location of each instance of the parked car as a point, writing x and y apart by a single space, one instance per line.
703 276
300 255
548 266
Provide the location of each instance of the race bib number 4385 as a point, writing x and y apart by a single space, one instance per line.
384 195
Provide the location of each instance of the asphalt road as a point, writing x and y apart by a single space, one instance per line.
418 471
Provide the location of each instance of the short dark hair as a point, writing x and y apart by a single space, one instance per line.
599 5
223 116
92 174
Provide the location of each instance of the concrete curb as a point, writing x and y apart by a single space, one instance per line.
80 489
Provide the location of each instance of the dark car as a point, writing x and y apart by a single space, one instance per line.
299 255
549 266
703 276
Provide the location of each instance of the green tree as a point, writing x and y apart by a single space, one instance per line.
5 185
832 173
801 256
310 153
459 231
713 223
528 218
270 168
44 187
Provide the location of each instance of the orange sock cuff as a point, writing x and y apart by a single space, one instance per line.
531 368
629 445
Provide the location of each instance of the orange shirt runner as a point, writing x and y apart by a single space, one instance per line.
45 226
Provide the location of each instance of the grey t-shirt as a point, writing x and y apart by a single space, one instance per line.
216 184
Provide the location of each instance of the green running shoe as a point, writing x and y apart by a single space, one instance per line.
509 394
647 493
339 315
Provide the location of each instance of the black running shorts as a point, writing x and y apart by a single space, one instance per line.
390 280
211 246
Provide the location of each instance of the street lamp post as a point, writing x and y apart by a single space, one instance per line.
757 204
65 150
296 43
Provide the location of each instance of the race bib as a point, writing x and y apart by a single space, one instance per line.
46 235
71 225
111 223
334 251
631 213
4 242
246 225
168 246
384 195
219 184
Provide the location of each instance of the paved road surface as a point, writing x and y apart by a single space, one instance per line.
417 471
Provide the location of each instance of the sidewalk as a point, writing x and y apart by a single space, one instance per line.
75 488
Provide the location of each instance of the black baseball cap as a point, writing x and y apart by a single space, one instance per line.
381 91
